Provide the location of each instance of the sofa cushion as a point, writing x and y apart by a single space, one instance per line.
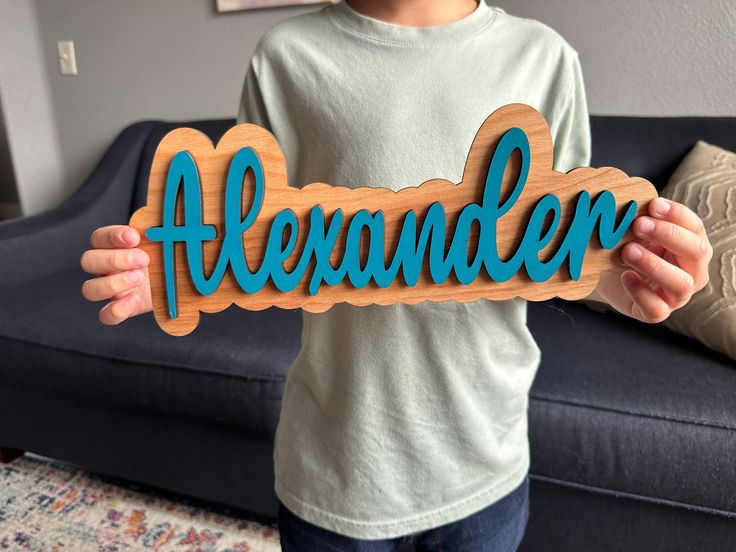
230 369
705 181
629 408
616 406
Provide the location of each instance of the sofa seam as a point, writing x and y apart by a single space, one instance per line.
673 419
182 367
266 435
633 496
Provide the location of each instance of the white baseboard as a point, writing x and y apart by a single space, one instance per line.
9 210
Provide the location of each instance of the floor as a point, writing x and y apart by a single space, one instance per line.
49 506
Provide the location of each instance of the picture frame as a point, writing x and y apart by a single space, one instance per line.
241 5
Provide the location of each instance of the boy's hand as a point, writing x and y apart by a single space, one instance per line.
669 262
121 271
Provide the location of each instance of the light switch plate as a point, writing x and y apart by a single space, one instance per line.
67 57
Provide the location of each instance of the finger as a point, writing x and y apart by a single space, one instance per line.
115 237
106 261
679 240
106 287
677 284
119 310
677 213
654 248
646 305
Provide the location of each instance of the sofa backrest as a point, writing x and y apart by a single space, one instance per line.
650 147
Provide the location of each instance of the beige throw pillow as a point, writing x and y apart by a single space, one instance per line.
705 181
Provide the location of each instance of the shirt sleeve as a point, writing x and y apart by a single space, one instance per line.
252 108
571 134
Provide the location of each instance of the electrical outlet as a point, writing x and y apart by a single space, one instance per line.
67 57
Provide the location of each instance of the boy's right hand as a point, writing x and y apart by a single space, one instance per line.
121 273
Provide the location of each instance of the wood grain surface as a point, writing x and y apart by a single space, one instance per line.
213 164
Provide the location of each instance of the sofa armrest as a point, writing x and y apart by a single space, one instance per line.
53 241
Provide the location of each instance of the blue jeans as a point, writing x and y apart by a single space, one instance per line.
497 528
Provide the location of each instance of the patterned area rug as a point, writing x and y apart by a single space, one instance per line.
47 506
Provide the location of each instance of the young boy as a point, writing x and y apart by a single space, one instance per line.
409 422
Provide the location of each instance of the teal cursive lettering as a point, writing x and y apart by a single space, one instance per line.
418 244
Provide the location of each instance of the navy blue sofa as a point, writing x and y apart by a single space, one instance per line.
633 428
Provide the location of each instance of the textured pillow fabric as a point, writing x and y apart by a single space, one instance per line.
705 181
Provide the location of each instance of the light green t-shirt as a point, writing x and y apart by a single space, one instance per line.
402 418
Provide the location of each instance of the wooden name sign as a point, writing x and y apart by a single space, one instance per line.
222 226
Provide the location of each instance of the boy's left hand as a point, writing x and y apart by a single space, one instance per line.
669 262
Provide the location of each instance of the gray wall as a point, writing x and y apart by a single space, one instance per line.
138 59
178 59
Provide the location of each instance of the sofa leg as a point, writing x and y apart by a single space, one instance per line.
9 454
